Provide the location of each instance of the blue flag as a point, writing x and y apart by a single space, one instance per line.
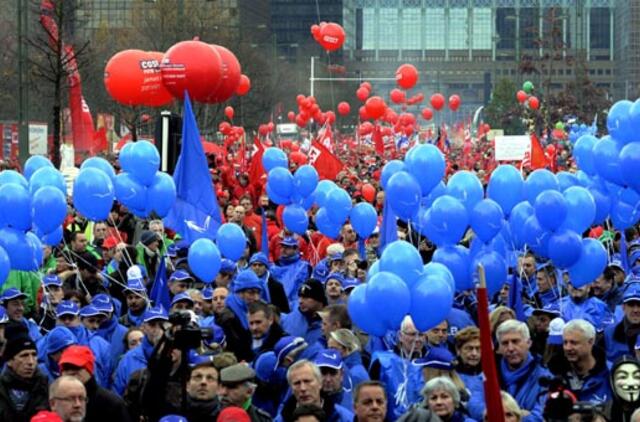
389 227
265 234
196 213
515 297
160 289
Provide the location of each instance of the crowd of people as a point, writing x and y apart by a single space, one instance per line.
87 339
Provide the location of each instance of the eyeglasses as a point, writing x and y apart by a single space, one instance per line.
73 399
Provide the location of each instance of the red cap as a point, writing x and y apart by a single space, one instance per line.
46 416
233 414
80 356
110 242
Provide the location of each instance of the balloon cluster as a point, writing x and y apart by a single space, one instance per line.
210 73
308 109
577 130
525 96
329 35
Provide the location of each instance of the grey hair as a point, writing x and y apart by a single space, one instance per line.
302 363
441 383
581 325
513 326
55 385
405 322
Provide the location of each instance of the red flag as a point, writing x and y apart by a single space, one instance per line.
327 164
376 137
493 399
538 157
256 170
100 143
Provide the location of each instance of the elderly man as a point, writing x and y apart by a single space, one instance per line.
68 399
519 370
305 381
236 389
370 402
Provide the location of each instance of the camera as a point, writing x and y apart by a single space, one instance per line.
186 333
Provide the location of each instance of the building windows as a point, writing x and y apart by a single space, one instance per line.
481 38
369 29
411 38
458 29
506 28
600 27
388 29
529 27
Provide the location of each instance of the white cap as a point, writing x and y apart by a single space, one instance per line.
134 273
556 326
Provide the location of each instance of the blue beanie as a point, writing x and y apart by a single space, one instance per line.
246 279
260 258
58 339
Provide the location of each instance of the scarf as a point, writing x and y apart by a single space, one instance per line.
239 308
107 328
288 260
512 378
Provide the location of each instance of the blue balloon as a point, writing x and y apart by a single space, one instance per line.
448 220
364 219
620 123
231 241
456 259
281 182
338 205
362 314
53 238
437 192
102 164
583 153
592 262
5 266
634 114
486 219
47 176
566 180
603 204
581 209
426 227
373 269
130 192
12 176
437 293
517 220
34 163
436 269
389 298
305 180
564 248
538 182
551 209
625 209
295 218
402 259
426 163
403 194
162 194
325 225
48 208
506 187
308 202
204 259
389 169
629 164
20 248
280 200
536 236
322 191
466 187
93 194
141 160
16 206
495 269
274 157
606 153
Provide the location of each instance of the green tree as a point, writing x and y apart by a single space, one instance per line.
503 111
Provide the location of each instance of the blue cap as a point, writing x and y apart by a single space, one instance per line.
182 297
59 338
173 418
51 280
338 256
180 275
260 258
194 358
321 271
155 313
246 279
67 307
172 250
12 294
632 292
290 242
350 284
438 358
551 308
265 365
90 311
556 328
287 345
336 276
328 358
207 293
102 302
227 266
616 263
135 285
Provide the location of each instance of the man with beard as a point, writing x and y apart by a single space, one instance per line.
236 389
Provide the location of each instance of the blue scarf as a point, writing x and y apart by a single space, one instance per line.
239 308
512 378
137 320
107 328
289 259
82 334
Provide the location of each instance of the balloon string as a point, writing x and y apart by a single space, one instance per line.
77 272
127 258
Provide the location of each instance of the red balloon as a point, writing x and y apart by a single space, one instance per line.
298 157
331 117
367 85
366 128
397 96
406 76
192 66
315 31
291 116
391 116
368 192
375 107
263 130
454 102
133 77
301 121
437 101
362 93
270 126
534 103
300 98
231 72
407 130
228 111
486 127
244 85
551 149
427 113
285 143
224 128
521 96
416 99
344 108
331 36
295 146
362 112
407 119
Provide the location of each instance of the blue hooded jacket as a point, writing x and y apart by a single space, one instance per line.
291 272
357 372
591 309
616 342
113 332
131 362
297 324
396 374
101 351
522 383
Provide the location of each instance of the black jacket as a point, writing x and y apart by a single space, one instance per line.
37 388
273 336
278 295
103 405
202 411
238 338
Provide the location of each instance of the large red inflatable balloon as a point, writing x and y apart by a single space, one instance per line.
367 85
427 113
228 111
375 107
344 108
534 103
368 192
331 36
406 76
521 96
231 72
133 77
362 93
192 66
397 96
454 102
437 101
244 86
362 112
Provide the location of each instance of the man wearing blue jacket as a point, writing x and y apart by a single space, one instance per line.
548 291
582 366
620 339
336 382
578 305
519 370
110 328
290 269
304 320
13 301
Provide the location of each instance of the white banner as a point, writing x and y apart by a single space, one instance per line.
37 139
512 148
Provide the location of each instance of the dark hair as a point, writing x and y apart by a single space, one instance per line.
338 314
258 306
364 384
71 294
309 410
205 364
125 339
